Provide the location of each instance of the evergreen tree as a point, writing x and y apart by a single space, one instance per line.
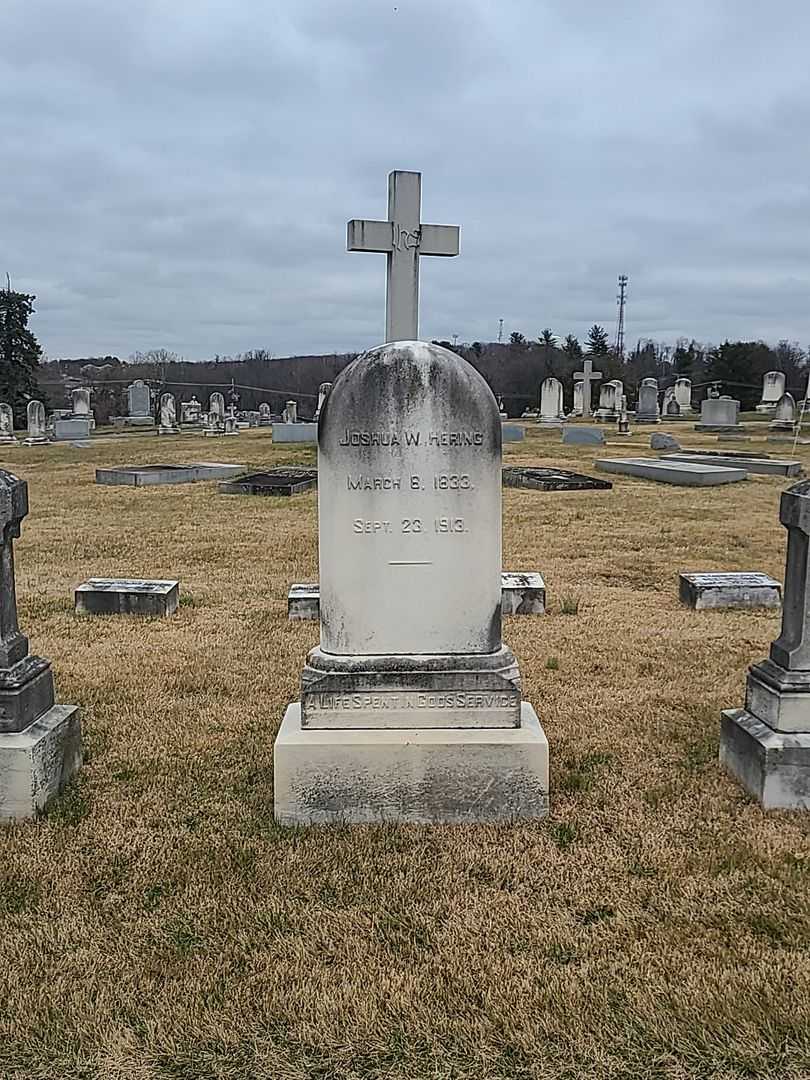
572 348
19 352
547 340
597 340
516 338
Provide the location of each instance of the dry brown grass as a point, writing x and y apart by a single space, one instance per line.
157 924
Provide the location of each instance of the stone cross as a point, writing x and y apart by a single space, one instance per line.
13 508
586 376
791 650
403 238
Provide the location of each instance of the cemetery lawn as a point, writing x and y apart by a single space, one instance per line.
157 924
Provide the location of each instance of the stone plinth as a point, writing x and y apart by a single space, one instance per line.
40 742
766 745
295 433
273 482
683 473
719 414
121 596
304 601
713 591
71 428
450 776
410 707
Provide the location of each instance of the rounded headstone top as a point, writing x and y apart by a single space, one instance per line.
13 502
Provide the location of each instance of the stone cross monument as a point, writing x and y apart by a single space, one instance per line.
410 707
40 742
586 377
766 745
403 238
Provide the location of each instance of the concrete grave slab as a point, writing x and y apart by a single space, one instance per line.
713 591
763 466
148 475
542 479
682 473
121 596
578 435
773 766
513 433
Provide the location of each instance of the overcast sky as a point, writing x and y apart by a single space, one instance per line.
180 174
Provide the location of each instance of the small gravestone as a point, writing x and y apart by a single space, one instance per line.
272 482
773 388
713 591
660 440
36 425
122 596
764 466
40 742
647 408
541 479
139 405
513 433
168 416
521 594
577 435
294 433
682 392
410 708
784 414
623 423
683 473
215 421
6 425
551 402
766 745
720 414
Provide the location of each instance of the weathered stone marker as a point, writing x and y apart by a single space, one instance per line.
411 707
766 745
403 239
716 590
127 596
40 742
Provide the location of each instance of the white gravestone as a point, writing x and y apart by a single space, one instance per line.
773 387
784 415
290 413
265 415
323 393
6 425
403 239
81 401
647 408
719 414
139 403
577 410
682 392
610 400
585 378
36 424
411 706
216 415
168 415
551 402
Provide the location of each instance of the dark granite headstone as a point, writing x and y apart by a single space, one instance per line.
541 479
280 481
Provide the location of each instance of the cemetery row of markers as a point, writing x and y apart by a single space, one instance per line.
718 413
412 711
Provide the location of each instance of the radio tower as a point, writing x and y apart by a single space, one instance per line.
621 300
500 330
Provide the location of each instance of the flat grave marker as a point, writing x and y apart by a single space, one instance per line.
577 435
149 475
546 479
683 473
711 591
763 466
127 596
278 481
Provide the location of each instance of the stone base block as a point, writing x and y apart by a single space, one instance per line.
36 440
777 697
26 692
114 596
424 776
523 594
684 473
300 432
35 764
772 766
304 601
719 429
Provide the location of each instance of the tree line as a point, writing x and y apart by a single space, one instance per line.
513 369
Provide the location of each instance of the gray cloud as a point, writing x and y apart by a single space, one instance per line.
181 174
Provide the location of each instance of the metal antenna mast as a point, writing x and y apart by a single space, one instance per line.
500 330
621 300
